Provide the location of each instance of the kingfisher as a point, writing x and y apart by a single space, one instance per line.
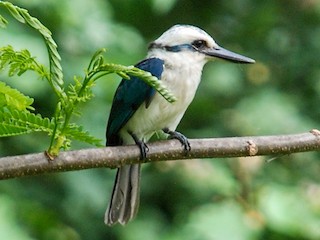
176 58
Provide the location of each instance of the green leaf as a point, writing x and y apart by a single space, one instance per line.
20 61
95 71
154 82
14 122
3 22
77 92
11 128
96 60
76 132
12 98
56 75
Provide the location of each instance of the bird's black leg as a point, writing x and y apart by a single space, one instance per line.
176 135
141 144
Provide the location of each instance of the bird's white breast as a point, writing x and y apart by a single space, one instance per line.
182 78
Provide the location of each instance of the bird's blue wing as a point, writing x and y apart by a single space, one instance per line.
129 97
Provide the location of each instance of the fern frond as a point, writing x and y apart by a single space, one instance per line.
153 82
97 60
78 93
10 127
56 75
15 118
76 132
14 122
12 98
20 61
3 22
127 71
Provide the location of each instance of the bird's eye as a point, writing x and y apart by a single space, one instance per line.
199 44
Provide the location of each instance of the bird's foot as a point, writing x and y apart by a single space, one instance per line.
179 136
142 146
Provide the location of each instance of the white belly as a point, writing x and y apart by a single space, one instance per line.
160 113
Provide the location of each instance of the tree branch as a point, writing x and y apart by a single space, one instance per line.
112 157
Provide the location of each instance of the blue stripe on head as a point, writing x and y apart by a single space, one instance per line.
175 48
179 48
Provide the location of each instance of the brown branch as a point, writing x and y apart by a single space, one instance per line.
112 157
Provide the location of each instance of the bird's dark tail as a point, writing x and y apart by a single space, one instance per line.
124 201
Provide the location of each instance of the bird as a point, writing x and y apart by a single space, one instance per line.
176 58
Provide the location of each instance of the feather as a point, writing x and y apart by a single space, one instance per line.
128 98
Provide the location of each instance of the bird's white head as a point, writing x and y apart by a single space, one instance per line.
193 42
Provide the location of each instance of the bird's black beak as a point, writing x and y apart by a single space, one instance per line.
220 52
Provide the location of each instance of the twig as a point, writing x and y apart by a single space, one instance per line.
112 157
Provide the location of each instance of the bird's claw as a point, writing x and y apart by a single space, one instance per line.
143 149
142 146
179 136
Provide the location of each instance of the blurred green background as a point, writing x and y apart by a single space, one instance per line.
241 198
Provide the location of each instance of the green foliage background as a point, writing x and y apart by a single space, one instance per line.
199 199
